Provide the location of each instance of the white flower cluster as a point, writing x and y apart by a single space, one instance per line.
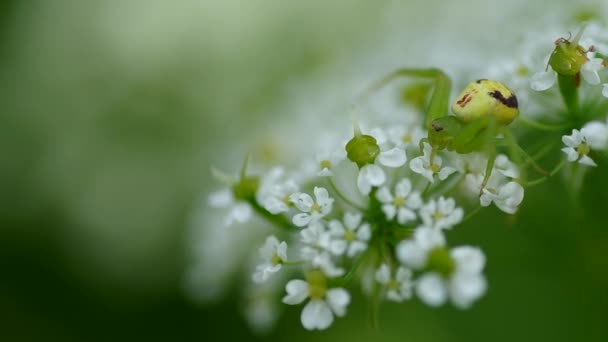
375 207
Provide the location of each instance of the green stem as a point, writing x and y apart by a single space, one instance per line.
472 213
342 196
551 174
568 87
278 220
540 125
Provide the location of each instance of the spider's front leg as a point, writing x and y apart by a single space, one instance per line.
440 97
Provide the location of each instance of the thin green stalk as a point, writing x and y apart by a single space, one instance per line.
278 220
551 174
568 87
342 196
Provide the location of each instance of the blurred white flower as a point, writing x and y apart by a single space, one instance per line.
402 204
464 285
351 237
312 210
273 193
273 253
324 303
399 286
506 197
413 253
317 245
238 211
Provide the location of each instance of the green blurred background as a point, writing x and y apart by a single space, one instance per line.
113 112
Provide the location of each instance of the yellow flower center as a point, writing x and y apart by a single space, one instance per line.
406 139
522 71
315 208
276 260
435 168
317 284
350 235
393 284
583 149
325 164
399 201
437 215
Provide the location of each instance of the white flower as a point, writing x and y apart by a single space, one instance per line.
546 79
372 175
590 69
507 168
403 204
413 253
239 211
273 195
605 90
464 285
316 249
507 197
323 305
404 137
311 210
427 168
441 213
327 160
596 134
577 148
351 237
273 254
400 286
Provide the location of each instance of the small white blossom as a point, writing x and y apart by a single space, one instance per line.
403 204
427 168
239 211
369 176
273 253
543 80
463 286
577 148
317 244
589 71
414 252
273 194
351 237
596 134
441 213
312 210
506 197
324 303
404 137
400 286
327 161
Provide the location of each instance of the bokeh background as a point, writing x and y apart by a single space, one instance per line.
114 111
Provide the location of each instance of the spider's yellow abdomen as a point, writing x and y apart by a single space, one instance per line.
485 97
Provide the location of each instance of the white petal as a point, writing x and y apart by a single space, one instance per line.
405 215
409 253
605 90
302 219
403 188
363 184
585 160
221 198
445 172
364 233
394 157
414 200
571 153
352 220
590 69
302 201
297 291
543 80
428 238
431 289
336 228
338 299
596 134
468 259
374 174
337 247
240 213
269 247
322 196
316 315
355 248
325 172
383 274
282 251
384 195
465 289
389 211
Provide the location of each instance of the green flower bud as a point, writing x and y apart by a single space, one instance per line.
246 188
568 57
440 261
362 150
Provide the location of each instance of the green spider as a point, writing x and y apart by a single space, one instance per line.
482 114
